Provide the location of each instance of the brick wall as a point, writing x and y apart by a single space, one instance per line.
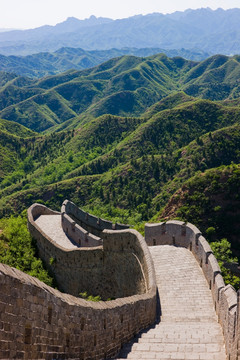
39 322
91 223
102 270
224 297
81 236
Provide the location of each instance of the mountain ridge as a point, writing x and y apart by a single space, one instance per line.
123 139
127 168
65 58
201 28
122 86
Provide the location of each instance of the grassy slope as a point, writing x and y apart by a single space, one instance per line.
45 64
12 138
210 199
16 129
101 138
132 164
125 86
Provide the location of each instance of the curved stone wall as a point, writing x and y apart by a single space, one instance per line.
102 270
79 235
91 223
39 322
224 297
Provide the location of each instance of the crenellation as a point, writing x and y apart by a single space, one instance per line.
217 282
78 234
89 222
55 325
224 297
52 324
227 318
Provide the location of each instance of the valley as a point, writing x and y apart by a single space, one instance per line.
133 140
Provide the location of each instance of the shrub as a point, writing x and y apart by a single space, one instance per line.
18 250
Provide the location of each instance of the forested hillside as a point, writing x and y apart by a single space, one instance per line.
128 140
66 58
124 86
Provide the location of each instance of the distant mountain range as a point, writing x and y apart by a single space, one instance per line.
123 86
132 139
210 31
6 29
43 64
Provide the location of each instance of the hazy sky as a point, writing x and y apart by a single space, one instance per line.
34 13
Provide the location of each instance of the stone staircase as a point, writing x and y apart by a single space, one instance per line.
187 328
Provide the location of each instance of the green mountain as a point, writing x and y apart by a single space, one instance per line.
124 141
211 201
125 86
126 168
45 64
12 141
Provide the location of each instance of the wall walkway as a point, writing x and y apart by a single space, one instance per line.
101 270
188 327
198 312
51 225
42 323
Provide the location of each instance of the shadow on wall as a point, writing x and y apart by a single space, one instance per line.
102 270
90 223
41 322
225 298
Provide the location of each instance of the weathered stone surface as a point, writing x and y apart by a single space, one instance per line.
224 299
103 270
39 322
199 319
188 328
51 226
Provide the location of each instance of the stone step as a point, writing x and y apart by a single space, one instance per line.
182 340
174 317
174 356
188 329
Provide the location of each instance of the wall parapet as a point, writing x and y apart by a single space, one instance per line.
52 325
178 233
79 235
89 220
101 270
39 209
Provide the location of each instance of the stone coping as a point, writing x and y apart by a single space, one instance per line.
38 209
93 221
178 233
78 234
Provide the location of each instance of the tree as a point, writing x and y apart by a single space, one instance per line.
223 253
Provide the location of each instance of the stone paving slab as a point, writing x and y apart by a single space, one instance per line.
51 225
188 329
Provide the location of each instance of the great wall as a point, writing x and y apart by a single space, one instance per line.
170 300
